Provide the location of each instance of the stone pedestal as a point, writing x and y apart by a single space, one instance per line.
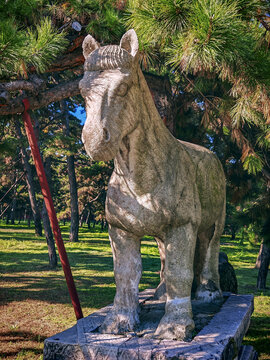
220 330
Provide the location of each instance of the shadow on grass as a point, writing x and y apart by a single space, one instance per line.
95 287
93 292
21 236
64 228
27 236
20 337
25 262
258 334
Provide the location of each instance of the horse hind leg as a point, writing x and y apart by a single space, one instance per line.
160 292
177 323
208 288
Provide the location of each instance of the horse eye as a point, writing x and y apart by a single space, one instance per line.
122 89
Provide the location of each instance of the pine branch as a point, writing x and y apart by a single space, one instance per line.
202 95
206 41
71 59
44 98
266 173
67 62
12 186
263 22
32 86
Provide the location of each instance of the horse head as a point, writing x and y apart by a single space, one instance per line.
108 87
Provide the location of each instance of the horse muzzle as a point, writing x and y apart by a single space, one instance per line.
98 144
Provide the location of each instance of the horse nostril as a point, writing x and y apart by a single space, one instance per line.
106 135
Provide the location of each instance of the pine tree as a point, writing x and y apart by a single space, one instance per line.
217 55
216 44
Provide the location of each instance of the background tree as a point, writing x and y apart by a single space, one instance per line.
217 55
209 62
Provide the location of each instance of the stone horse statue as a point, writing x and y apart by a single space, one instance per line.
160 186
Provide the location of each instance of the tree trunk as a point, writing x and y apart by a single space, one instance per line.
8 217
102 224
74 223
46 222
263 271
13 209
14 203
81 218
258 261
233 233
74 210
88 219
44 98
29 182
49 237
44 213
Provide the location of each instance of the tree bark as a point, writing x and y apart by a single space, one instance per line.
8 217
88 219
82 216
13 209
74 223
29 182
258 260
46 222
44 98
233 233
72 58
29 220
33 86
44 213
14 202
159 85
263 271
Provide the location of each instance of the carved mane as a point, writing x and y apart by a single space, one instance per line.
108 57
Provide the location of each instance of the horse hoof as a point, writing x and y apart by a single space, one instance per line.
118 324
208 292
171 329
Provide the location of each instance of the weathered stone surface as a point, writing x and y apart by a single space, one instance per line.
220 339
170 189
63 346
228 280
247 352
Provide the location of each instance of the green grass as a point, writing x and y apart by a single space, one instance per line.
34 300
243 258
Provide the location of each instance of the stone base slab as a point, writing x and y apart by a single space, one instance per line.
221 338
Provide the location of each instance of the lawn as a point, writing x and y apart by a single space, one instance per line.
34 302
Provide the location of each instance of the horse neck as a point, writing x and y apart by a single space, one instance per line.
144 152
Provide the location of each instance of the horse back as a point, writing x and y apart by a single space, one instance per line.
210 180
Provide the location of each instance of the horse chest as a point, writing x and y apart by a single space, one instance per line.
149 213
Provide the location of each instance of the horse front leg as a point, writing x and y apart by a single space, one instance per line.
177 322
127 272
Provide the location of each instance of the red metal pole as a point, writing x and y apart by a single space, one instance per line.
51 211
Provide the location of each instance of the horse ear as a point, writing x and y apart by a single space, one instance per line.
129 42
89 44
